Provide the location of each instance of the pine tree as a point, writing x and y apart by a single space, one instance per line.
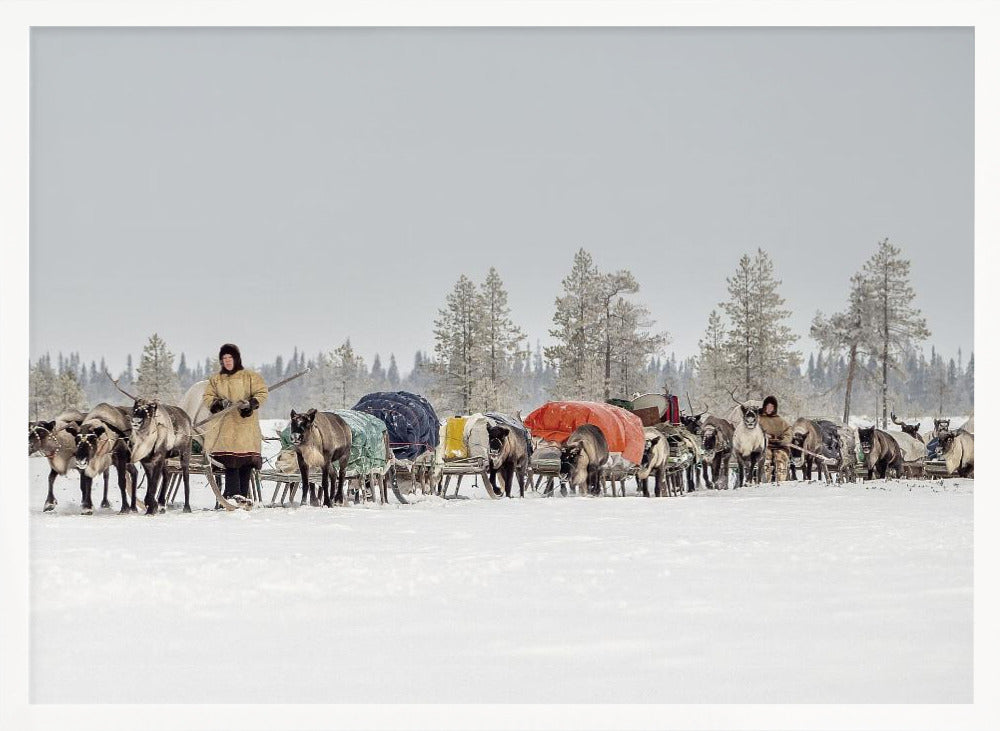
898 324
577 331
759 339
156 377
377 374
183 372
610 288
68 393
349 375
632 344
392 373
457 333
42 390
851 331
715 372
497 348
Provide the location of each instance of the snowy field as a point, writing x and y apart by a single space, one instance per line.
794 593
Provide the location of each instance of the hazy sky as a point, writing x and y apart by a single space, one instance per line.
283 187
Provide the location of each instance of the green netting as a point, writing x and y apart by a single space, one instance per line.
367 441
621 403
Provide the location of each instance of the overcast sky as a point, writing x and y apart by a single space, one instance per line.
293 187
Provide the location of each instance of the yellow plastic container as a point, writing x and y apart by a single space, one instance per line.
454 438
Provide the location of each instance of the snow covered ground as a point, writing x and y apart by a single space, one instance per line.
794 593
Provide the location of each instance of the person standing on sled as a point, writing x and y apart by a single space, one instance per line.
779 437
234 439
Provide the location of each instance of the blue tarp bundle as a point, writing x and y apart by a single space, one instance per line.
410 419
513 423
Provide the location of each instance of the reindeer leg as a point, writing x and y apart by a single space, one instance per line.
152 482
50 499
341 476
104 501
326 490
86 507
304 482
186 476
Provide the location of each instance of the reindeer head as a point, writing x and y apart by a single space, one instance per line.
87 441
692 422
749 412
300 424
498 435
750 416
709 437
912 429
941 426
647 451
945 440
568 458
798 440
40 438
866 438
143 410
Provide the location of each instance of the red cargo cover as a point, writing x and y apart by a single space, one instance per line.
556 420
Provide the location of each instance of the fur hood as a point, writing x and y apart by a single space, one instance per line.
230 349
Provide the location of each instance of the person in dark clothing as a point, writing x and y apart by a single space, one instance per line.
779 437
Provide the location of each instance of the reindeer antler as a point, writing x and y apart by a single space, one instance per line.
892 416
114 381
733 394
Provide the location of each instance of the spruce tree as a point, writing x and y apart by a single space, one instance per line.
497 348
759 339
457 332
577 331
392 373
156 377
898 323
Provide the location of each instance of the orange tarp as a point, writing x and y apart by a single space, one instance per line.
556 420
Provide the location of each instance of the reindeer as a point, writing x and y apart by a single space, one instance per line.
508 456
839 445
582 457
57 445
320 439
160 431
882 454
693 423
912 429
654 462
749 444
102 439
807 447
717 443
958 450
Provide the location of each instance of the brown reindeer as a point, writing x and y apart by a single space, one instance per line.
160 431
882 454
321 439
51 440
582 457
958 450
912 429
508 457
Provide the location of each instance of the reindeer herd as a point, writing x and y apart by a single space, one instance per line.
149 433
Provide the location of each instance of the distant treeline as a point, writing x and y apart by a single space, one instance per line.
605 346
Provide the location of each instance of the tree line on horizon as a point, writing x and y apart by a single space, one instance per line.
605 345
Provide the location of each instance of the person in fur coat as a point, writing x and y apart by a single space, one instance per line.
235 438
